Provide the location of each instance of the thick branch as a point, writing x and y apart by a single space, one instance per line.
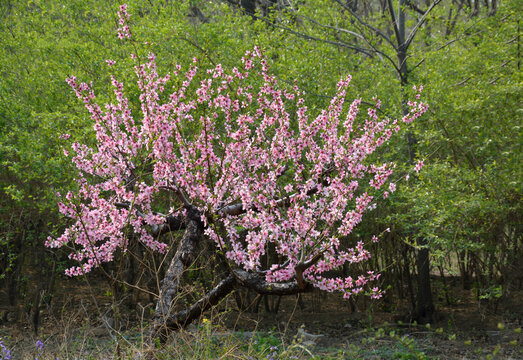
302 266
238 209
243 278
183 318
172 223
258 283
395 24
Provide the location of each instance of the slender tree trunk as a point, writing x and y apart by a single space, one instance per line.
475 12
424 309
14 277
424 306
408 277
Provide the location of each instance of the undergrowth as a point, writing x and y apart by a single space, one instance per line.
210 341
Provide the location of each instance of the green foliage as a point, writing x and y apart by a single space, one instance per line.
468 197
466 203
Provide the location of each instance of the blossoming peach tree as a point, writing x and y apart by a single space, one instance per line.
225 162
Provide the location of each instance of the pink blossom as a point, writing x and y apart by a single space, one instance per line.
123 17
299 181
418 166
392 187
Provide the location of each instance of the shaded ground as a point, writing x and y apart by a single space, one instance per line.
324 324
463 330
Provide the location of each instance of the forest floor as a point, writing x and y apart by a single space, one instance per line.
75 326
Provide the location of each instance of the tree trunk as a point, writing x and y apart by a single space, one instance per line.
424 306
424 310
166 322
171 281
407 276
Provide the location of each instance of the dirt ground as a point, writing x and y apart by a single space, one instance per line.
463 330
328 324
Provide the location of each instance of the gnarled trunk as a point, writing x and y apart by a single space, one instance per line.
165 320
182 259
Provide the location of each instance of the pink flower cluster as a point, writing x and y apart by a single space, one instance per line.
301 182
123 19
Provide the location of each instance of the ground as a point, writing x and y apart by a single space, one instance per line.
322 324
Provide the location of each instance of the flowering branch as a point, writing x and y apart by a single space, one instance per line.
237 161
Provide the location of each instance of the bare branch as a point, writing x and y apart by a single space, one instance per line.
420 22
367 52
361 36
461 82
333 27
367 25
414 7
313 38
418 64
395 24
